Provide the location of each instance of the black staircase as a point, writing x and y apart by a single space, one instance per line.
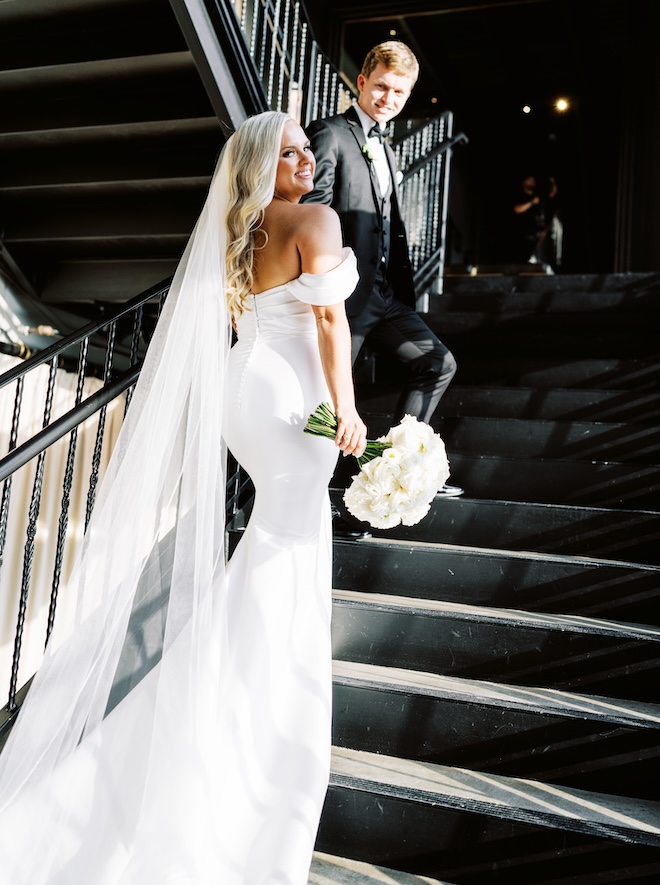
496 710
107 143
497 715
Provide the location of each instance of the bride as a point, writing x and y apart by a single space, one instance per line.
178 730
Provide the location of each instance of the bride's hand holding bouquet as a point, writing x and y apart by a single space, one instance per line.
400 473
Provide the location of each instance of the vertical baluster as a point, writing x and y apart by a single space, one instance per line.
448 132
334 93
6 486
250 28
325 97
135 338
305 78
274 28
31 532
66 492
261 64
318 62
240 7
96 458
284 62
294 103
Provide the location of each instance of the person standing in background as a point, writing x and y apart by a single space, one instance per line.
538 230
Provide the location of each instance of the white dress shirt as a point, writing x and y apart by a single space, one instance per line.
377 149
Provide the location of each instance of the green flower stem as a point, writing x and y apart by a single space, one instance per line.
374 449
323 422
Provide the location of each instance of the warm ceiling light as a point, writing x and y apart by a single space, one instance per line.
434 100
392 32
561 104
526 109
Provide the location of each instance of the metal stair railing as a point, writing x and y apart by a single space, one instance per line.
424 154
299 78
296 74
113 347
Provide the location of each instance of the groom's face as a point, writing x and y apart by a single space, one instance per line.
383 93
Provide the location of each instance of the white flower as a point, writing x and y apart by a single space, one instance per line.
399 484
400 473
366 150
413 435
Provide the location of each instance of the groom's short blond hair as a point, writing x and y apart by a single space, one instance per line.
393 55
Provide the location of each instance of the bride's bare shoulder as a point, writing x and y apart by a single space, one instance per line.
317 219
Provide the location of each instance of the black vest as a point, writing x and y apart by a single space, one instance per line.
386 214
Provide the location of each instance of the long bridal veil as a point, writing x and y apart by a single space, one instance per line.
93 767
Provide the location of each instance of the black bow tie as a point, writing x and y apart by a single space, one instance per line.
376 132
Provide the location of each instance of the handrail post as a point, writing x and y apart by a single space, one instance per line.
444 207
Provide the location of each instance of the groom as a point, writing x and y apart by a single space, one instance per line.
356 175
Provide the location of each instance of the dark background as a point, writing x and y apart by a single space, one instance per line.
484 61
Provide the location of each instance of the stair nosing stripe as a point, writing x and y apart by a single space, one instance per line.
500 553
610 815
467 691
533 620
509 812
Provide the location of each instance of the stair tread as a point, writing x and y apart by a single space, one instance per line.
536 699
611 529
328 868
518 617
498 795
558 404
550 505
86 134
521 555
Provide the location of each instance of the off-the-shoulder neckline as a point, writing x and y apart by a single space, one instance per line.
346 256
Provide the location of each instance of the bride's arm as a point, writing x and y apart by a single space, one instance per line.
320 246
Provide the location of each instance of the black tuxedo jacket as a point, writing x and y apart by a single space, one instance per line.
346 180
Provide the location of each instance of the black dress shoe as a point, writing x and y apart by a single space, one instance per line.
451 491
342 528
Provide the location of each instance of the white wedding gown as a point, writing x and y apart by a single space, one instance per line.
217 779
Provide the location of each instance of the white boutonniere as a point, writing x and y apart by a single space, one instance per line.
366 150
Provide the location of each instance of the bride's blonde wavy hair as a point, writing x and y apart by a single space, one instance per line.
253 155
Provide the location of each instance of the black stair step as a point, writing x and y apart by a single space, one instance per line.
118 215
36 33
129 152
546 373
478 827
590 484
577 284
527 438
514 324
478 576
112 90
568 345
327 869
583 741
506 645
618 534
518 402
556 307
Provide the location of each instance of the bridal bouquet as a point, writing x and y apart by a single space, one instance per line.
400 472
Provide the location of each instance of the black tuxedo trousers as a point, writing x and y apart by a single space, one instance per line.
387 326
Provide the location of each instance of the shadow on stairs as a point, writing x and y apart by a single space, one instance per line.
496 715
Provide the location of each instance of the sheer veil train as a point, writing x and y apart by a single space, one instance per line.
145 583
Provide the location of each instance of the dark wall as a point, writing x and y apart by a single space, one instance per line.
484 62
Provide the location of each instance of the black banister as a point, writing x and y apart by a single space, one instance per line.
440 148
56 349
61 426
